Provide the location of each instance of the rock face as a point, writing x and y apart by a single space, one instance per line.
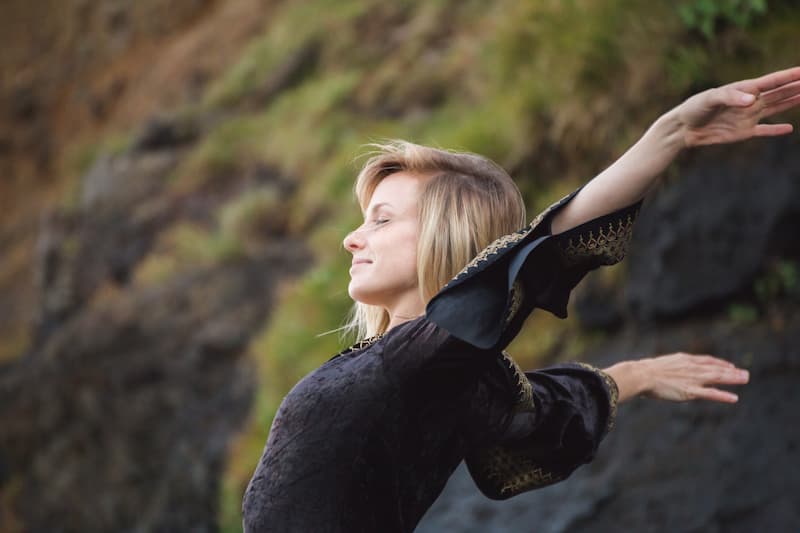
130 406
704 240
119 415
696 466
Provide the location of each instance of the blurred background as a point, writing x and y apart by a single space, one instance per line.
176 180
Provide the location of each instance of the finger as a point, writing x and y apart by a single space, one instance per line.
731 96
781 93
716 395
776 79
771 130
710 359
783 105
724 376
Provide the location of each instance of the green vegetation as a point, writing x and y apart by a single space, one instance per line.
741 313
777 283
243 226
780 280
707 16
80 160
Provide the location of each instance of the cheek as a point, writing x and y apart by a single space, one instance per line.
394 272
409 251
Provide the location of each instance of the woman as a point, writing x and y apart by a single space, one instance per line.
443 279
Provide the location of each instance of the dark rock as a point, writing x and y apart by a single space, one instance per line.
115 182
102 239
703 238
161 132
597 306
24 104
132 403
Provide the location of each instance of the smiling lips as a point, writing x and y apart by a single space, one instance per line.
357 262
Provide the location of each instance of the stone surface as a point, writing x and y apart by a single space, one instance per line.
121 419
704 238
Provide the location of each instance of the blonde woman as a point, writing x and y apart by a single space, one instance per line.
444 272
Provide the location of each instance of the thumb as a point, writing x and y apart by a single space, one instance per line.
736 97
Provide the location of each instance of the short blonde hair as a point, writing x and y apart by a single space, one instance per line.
469 202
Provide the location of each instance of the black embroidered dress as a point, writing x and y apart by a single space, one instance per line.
366 442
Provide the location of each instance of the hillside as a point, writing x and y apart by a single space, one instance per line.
179 179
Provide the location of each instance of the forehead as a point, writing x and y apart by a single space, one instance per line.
400 190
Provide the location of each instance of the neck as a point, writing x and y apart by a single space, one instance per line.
398 319
409 307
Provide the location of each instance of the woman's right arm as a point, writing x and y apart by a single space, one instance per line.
726 114
677 377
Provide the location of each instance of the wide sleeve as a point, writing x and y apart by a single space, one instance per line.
562 414
487 302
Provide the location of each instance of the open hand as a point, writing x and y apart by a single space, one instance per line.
681 376
732 112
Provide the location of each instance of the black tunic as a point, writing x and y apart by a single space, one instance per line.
367 441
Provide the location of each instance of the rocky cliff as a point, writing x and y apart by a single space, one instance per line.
178 181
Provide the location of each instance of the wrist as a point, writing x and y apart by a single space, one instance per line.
670 130
631 377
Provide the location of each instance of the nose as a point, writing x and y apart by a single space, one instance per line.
353 241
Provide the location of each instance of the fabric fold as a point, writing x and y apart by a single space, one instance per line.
555 427
487 302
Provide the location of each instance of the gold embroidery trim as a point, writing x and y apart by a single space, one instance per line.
506 240
363 343
523 386
517 294
613 392
492 249
506 471
609 243
503 470
510 472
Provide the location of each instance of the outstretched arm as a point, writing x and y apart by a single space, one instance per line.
677 377
721 115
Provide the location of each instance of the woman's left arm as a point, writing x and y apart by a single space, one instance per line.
677 377
721 115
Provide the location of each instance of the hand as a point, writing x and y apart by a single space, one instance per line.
732 112
680 377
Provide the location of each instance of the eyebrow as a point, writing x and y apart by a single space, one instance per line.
377 206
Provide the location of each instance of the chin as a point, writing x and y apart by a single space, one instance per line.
363 296
357 294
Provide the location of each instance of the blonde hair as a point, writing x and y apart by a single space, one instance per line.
469 202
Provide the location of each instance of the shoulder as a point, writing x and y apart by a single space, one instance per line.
421 345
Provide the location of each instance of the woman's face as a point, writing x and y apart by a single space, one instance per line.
384 248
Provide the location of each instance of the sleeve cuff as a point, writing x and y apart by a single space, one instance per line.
612 390
553 439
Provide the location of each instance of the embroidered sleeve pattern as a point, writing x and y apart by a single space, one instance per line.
613 392
602 241
506 241
503 471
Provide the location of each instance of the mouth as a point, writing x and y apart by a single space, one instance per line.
361 261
